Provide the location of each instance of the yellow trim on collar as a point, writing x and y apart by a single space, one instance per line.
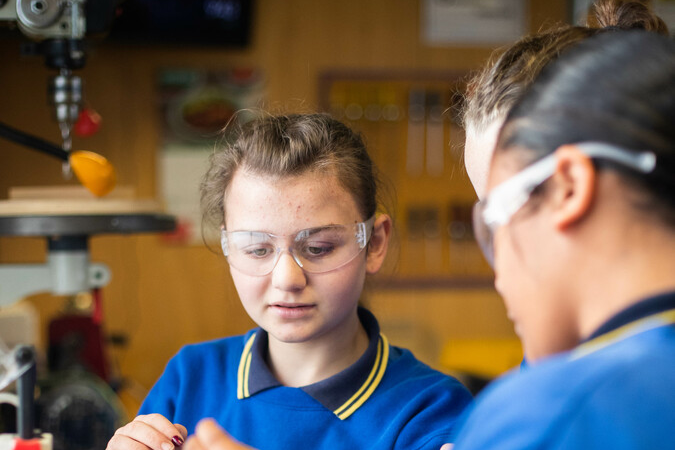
244 369
351 405
624 332
371 383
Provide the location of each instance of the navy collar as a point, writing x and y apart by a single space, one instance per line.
648 307
343 393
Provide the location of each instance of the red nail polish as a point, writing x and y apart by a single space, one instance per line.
177 441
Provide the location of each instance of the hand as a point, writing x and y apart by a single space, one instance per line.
209 436
152 431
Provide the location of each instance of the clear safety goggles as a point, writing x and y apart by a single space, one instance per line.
315 250
508 197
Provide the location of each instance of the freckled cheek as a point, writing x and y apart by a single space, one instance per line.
345 286
251 290
341 290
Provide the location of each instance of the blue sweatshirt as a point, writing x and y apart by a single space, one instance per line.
614 391
386 400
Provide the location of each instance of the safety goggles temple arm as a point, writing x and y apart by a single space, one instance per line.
532 176
642 161
364 231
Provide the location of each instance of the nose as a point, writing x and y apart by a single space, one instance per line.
287 275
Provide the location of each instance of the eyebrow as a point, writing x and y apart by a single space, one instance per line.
308 231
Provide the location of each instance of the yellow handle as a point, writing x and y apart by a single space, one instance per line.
94 172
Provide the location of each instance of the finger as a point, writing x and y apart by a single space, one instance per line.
121 442
212 437
182 430
141 430
447 447
164 426
193 444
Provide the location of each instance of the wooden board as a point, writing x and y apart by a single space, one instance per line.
74 200
66 191
61 207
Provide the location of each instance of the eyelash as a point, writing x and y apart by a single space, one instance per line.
252 252
325 249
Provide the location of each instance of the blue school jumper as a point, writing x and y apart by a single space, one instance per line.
385 400
614 391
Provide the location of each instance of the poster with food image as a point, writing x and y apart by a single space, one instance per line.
196 106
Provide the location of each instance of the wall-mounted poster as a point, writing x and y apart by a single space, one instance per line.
473 22
196 106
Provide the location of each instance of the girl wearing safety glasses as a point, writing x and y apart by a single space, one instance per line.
579 223
295 198
493 91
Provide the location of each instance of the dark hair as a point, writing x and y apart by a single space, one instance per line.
617 88
492 92
288 145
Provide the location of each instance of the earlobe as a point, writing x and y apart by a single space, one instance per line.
575 185
379 241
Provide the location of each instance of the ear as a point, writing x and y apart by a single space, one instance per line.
574 179
378 244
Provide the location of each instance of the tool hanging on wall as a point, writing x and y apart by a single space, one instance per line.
416 121
435 145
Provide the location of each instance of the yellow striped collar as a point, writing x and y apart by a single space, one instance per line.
631 329
342 393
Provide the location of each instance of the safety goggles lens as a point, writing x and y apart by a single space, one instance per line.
316 250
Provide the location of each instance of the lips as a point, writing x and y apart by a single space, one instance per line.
291 305
292 310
